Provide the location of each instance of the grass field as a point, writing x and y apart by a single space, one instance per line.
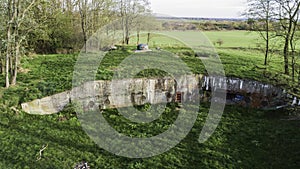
240 53
246 138
235 39
231 39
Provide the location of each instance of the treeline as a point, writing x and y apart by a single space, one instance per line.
58 26
206 25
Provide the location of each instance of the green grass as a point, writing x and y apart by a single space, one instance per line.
245 138
240 54
231 39
235 39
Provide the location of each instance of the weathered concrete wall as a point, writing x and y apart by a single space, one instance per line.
241 86
128 92
117 93
250 93
47 105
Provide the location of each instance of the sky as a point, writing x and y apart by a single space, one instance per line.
199 8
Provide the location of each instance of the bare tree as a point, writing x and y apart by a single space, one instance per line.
130 13
93 15
146 23
293 41
1 59
17 18
82 6
288 14
2 32
261 12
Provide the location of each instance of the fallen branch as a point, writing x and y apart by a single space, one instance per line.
41 152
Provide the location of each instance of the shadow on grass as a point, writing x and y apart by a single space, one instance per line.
245 138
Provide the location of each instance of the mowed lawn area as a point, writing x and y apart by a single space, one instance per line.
231 39
235 39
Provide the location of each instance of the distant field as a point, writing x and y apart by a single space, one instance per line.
232 39
241 39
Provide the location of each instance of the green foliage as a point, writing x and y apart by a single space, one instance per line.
207 25
125 126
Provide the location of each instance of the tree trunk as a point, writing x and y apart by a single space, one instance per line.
299 76
127 40
127 31
14 76
148 38
8 48
267 41
8 56
123 33
84 34
16 46
83 17
293 66
7 71
138 38
123 22
1 59
267 53
286 48
286 56
11 59
293 55
293 46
